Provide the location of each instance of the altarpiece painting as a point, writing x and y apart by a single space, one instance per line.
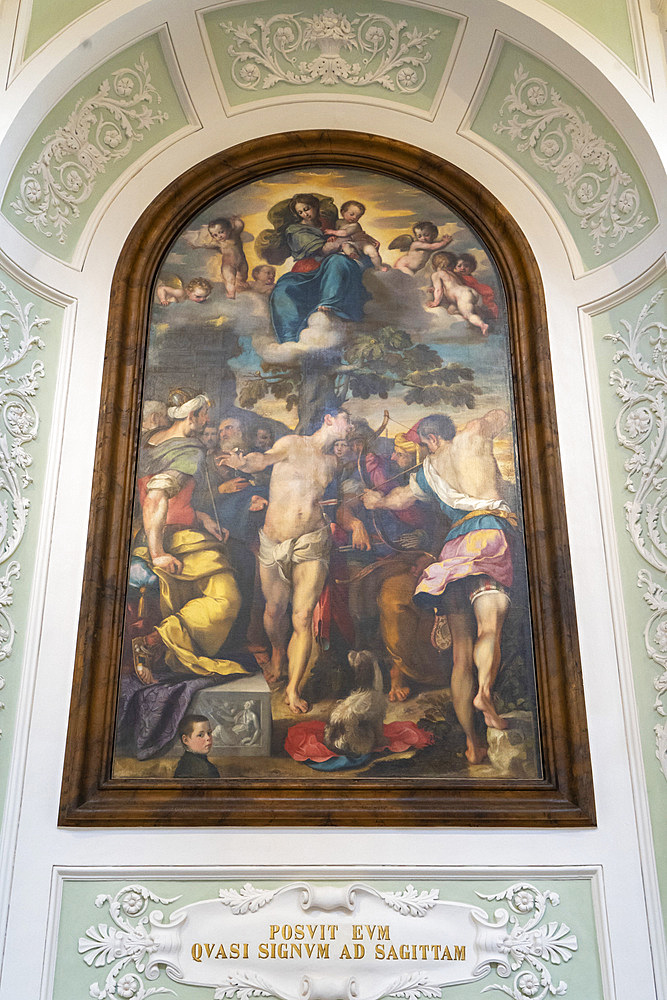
331 564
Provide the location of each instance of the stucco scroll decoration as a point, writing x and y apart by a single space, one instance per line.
389 52
99 131
641 428
561 140
19 423
514 941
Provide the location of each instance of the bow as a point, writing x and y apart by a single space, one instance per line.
361 467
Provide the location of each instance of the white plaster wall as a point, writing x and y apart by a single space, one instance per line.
35 843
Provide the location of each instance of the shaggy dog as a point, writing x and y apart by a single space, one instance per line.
355 725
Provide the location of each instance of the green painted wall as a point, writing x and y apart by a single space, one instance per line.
79 915
39 366
567 146
642 424
316 51
48 18
90 138
609 21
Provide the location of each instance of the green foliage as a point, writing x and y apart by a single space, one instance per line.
373 365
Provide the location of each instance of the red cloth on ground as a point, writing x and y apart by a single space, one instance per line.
304 740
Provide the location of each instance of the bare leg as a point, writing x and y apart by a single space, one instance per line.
276 622
466 302
438 290
490 610
372 252
308 579
229 279
461 626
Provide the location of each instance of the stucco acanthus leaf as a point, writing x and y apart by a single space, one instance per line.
98 132
641 428
560 140
19 423
528 946
388 53
248 899
410 902
130 942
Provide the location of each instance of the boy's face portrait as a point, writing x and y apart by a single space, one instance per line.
267 275
198 294
462 267
422 233
352 214
218 232
200 739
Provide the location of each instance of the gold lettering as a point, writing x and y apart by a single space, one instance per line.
209 949
392 953
345 953
295 950
357 932
333 930
459 953
323 951
311 930
273 930
436 951
245 950
446 954
423 949
234 950
359 951
287 932
221 952
262 951
404 951
379 951
383 933
196 952
298 932
282 951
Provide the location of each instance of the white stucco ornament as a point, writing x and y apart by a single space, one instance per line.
641 428
386 52
313 941
99 131
560 140
19 422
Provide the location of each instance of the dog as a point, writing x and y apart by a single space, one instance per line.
355 725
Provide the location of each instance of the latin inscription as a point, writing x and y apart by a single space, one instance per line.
321 942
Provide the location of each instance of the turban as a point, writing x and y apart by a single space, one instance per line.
185 409
402 442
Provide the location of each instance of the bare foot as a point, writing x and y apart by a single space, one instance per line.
399 693
296 704
399 689
276 669
491 717
475 754
485 329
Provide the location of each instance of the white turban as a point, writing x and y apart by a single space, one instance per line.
181 412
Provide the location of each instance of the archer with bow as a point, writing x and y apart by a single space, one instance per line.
382 575
474 571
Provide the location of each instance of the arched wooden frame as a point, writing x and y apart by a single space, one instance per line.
90 796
